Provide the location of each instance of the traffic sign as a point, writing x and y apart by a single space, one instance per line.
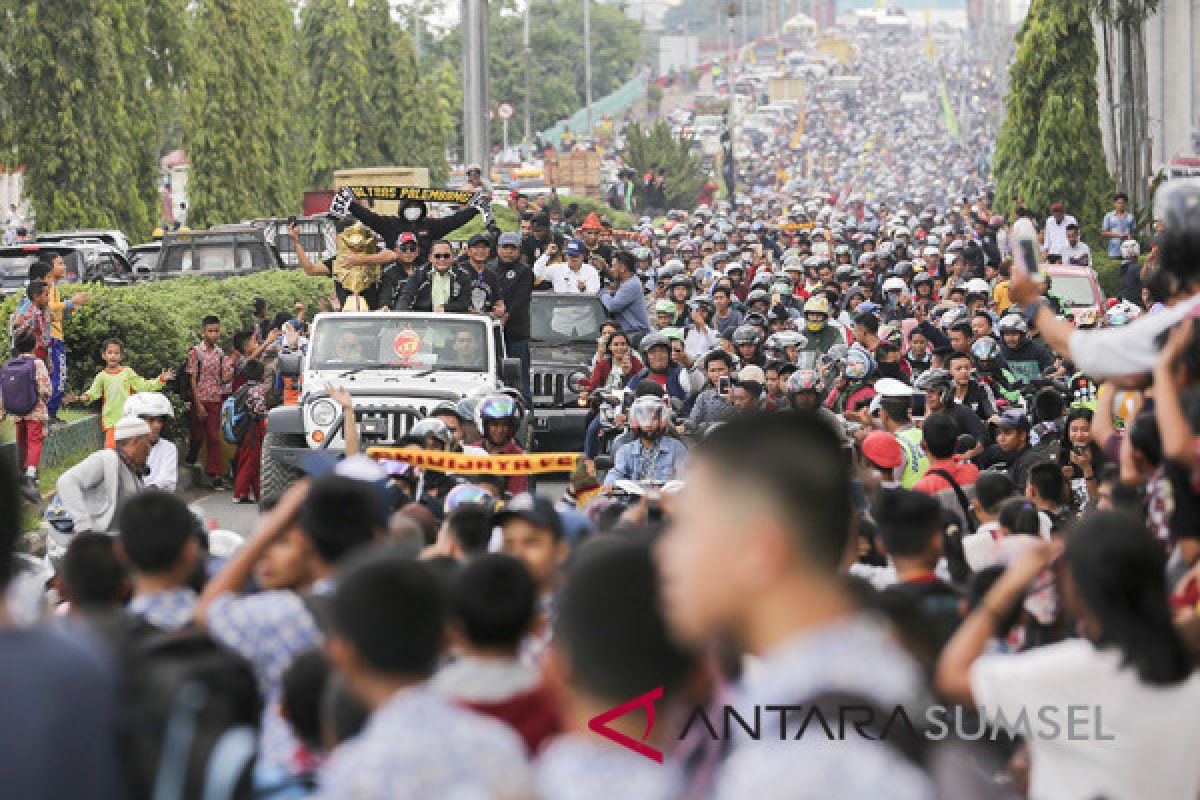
504 111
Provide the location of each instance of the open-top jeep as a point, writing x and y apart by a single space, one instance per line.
398 367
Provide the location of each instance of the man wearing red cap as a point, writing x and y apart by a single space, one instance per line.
1054 237
881 452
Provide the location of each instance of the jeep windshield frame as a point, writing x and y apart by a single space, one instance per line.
421 344
561 318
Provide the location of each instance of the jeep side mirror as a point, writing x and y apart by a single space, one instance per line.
291 364
511 372
604 462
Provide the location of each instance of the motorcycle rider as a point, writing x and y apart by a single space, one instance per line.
938 386
497 417
652 456
805 392
1026 359
656 354
820 335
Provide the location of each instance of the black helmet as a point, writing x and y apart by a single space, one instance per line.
1177 206
747 334
986 353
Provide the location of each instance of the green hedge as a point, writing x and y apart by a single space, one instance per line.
158 322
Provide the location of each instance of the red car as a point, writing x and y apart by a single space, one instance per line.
1077 287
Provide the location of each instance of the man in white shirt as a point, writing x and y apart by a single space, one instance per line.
1055 235
163 461
572 276
1074 252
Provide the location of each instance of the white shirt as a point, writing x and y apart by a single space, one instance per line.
163 463
565 280
1129 349
1151 732
698 343
1056 233
1080 255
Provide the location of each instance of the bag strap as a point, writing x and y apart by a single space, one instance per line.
968 513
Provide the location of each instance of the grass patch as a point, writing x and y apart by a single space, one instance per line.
47 481
8 432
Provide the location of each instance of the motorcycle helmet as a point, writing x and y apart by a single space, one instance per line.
747 335
1130 249
1122 313
1177 206
496 408
432 426
937 380
776 345
1014 323
803 380
653 340
648 417
468 494
816 305
757 296
985 352
894 285
858 364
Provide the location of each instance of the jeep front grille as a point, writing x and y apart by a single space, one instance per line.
548 388
383 426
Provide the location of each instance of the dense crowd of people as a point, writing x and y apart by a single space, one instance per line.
880 469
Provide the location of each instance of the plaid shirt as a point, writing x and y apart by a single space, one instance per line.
268 629
38 320
212 371
170 610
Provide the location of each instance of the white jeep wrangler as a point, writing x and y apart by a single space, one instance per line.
398 367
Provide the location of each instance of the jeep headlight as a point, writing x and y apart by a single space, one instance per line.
575 381
323 413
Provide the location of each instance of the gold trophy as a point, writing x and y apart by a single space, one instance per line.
360 240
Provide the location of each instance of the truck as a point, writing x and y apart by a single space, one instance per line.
397 366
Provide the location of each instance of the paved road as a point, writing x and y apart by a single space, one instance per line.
243 519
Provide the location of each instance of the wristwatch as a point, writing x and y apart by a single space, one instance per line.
1029 312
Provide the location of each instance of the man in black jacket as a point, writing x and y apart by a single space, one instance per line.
437 286
516 287
533 246
413 218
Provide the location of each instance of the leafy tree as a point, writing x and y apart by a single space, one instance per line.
1049 148
81 78
658 147
335 45
240 111
410 126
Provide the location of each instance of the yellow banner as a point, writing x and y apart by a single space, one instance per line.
411 193
463 464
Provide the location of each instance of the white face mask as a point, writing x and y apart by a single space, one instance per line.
412 213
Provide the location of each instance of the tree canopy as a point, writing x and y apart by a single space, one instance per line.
656 146
1049 148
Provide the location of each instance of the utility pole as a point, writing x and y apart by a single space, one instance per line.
528 52
475 82
587 61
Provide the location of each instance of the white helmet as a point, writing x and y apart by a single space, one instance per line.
978 286
148 404
1130 249
894 284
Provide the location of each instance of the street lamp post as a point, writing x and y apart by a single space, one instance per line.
475 82
528 53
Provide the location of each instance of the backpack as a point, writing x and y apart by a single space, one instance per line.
236 418
192 712
18 386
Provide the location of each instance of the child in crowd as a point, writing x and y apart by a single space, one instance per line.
249 449
114 384
24 402
208 372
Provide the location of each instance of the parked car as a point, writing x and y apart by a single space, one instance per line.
220 252
564 329
110 236
144 257
86 262
318 237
